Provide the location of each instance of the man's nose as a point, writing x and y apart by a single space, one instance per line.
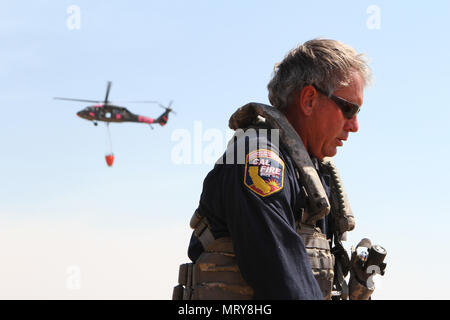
352 124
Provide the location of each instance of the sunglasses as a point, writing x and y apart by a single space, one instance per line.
349 109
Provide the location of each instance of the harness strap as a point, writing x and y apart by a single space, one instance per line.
201 229
340 283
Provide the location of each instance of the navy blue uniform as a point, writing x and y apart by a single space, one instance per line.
270 254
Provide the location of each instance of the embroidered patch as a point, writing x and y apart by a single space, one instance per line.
264 172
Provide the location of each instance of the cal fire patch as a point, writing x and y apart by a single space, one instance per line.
264 172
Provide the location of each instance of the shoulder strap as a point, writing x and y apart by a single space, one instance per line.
343 218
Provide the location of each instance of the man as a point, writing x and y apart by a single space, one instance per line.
263 229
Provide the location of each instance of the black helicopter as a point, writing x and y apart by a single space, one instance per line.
107 112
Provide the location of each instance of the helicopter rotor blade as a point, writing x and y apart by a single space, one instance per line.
108 87
139 101
79 100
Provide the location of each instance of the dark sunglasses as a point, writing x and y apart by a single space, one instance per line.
349 109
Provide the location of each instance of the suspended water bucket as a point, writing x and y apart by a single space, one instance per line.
109 159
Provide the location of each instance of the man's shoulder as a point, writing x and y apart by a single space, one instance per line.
250 139
255 160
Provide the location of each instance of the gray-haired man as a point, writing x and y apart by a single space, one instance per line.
265 223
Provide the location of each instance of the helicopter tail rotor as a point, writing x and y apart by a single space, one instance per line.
168 108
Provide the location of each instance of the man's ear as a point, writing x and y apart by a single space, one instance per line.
306 100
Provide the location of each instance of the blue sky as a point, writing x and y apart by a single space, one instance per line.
210 57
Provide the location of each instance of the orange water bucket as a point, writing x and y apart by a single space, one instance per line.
109 159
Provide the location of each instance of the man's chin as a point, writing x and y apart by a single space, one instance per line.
330 153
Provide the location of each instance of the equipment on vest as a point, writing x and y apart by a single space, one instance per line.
376 257
367 260
214 276
366 255
320 257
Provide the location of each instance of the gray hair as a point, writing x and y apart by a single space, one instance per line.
323 62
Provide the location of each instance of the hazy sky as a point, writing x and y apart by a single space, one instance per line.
71 227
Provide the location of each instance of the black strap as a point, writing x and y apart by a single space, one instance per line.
341 268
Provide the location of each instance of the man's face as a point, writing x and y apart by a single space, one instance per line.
325 128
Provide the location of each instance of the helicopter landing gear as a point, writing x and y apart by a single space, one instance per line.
95 123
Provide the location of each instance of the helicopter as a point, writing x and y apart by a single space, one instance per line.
106 111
